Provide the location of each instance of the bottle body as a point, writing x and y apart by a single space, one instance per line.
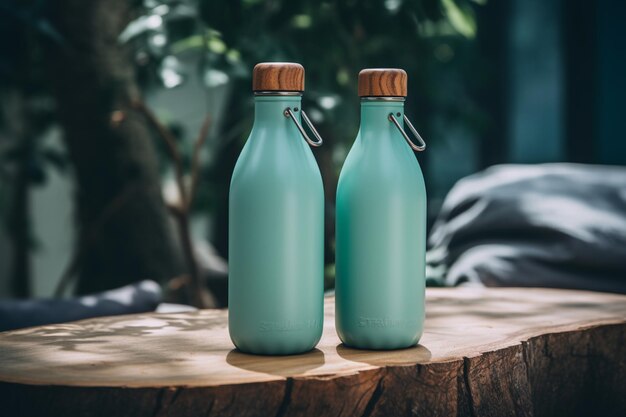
381 237
276 227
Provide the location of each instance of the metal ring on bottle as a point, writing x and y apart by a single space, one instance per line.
277 93
419 148
318 142
378 98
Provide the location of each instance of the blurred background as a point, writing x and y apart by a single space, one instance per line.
121 120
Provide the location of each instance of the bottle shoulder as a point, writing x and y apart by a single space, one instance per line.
380 170
276 157
389 156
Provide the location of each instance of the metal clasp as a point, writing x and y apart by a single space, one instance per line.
318 139
415 147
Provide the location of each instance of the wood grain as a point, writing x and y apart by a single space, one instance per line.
382 82
485 352
278 76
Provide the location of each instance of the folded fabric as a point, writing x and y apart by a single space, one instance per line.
549 225
136 298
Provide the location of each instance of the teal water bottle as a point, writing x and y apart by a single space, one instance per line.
381 223
276 224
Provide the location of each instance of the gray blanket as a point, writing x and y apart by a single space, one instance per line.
550 225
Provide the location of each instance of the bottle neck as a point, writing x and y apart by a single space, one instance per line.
269 109
375 115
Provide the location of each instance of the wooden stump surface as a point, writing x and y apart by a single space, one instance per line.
485 352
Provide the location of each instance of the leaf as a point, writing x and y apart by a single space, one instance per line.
301 21
233 56
216 45
215 78
181 11
157 42
189 43
213 42
139 26
329 101
462 20
171 72
45 28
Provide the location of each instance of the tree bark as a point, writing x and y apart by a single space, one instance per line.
484 352
19 232
124 233
15 113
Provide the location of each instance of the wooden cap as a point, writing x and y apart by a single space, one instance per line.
382 82
278 76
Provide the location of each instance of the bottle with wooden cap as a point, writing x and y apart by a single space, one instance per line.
276 223
381 223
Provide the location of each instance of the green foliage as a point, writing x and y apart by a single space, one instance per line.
462 19
332 39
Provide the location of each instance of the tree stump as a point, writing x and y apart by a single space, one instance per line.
485 352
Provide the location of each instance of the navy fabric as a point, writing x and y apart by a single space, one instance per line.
137 298
548 225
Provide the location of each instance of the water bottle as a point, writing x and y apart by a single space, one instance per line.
276 223
381 223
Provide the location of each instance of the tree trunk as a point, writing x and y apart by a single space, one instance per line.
485 352
19 231
15 114
125 235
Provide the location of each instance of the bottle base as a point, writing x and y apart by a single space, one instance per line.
275 352
276 346
368 341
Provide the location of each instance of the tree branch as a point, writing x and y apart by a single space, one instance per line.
170 143
195 162
196 293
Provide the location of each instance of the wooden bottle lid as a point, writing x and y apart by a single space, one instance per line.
382 82
278 76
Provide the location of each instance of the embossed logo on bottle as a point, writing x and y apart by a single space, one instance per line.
386 322
288 325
